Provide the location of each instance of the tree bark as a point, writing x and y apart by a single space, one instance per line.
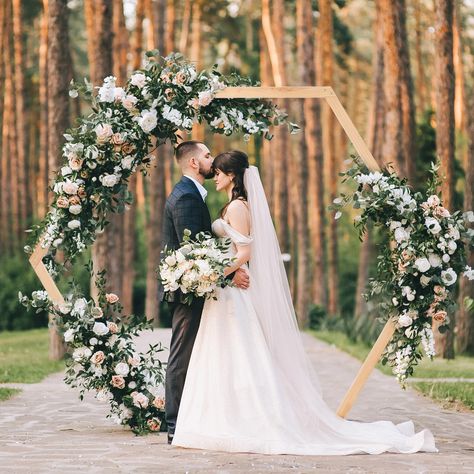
157 198
185 25
58 105
43 175
21 125
445 129
331 161
420 69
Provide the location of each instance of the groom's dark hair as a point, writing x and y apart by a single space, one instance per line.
184 149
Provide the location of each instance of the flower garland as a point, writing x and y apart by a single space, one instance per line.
104 358
418 272
108 145
100 154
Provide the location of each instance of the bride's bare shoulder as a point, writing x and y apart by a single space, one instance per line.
238 206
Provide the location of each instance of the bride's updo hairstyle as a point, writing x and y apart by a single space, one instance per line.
235 162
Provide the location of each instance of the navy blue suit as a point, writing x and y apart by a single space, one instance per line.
184 209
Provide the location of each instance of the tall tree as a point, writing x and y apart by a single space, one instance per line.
21 122
43 168
399 108
420 69
156 191
331 160
445 128
58 105
273 28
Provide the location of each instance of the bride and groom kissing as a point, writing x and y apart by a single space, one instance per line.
238 379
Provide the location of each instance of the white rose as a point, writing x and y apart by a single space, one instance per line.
433 225
122 369
93 341
452 246
422 264
100 329
148 120
205 98
127 162
109 180
69 335
401 234
434 259
70 188
138 79
74 224
394 225
446 258
104 132
65 308
433 201
75 209
66 171
404 320
170 260
129 102
73 93
449 277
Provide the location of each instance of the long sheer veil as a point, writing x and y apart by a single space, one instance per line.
271 292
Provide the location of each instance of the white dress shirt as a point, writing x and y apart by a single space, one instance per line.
202 190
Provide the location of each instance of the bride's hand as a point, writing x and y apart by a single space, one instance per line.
241 279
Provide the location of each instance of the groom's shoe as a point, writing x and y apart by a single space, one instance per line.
170 437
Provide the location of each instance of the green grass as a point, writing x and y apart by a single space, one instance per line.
453 393
448 393
6 393
24 356
460 367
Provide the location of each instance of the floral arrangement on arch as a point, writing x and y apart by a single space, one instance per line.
125 126
103 357
418 272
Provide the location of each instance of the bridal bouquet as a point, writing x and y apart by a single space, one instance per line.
196 268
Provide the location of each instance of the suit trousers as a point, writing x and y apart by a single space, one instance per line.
185 325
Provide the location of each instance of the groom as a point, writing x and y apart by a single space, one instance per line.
185 208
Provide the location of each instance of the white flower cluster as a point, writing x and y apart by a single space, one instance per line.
402 362
197 268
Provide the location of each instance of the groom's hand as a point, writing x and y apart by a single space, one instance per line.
241 279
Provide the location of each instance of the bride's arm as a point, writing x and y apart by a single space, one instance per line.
238 217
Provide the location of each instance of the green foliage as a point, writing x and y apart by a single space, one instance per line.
6 393
24 356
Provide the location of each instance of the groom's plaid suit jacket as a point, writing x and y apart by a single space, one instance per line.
184 209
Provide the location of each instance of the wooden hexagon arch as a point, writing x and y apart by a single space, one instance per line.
299 92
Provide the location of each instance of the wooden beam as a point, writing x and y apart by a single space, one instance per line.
284 92
366 368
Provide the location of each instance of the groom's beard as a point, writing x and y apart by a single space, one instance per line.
208 175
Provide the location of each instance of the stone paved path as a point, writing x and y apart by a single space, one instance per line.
47 429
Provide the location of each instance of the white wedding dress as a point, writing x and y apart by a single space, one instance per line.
249 386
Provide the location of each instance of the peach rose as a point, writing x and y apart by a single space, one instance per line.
111 298
154 424
133 361
74 201
117 139
180 78
169 94
128 148
194 103
118 381
159 403
81 192
62 202
440 316
113 328
98 357
75 163
95 198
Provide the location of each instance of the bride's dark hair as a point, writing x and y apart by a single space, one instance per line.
236 162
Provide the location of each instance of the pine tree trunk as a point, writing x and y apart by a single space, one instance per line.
272 23
156 195
445 130
43 172
420 69
330 159
58 106
21 122
185 26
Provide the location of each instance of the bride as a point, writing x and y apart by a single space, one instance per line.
249 386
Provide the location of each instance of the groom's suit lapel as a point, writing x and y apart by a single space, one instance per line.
189 184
